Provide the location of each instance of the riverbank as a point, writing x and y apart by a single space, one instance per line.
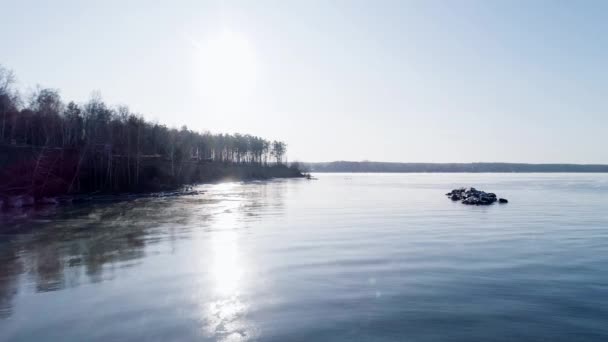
45 176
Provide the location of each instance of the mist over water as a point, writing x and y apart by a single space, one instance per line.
347 257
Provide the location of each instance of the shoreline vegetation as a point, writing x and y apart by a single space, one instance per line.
50 149
387 167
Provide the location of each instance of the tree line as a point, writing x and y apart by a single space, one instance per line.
43 119
104 135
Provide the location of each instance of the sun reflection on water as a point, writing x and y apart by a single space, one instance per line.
225 314
226 267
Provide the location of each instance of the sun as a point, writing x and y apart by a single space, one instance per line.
227 68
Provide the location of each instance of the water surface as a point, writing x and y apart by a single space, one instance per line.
348 257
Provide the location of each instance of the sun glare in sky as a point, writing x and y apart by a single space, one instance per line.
227 70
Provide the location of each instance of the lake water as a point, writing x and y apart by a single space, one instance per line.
347 257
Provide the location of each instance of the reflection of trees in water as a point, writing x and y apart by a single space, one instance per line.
10 269
91 241
47 266
72 245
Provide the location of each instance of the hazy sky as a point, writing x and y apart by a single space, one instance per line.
425 81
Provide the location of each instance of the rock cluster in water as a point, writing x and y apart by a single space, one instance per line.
473 196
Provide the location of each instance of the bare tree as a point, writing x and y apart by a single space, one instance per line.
109 148
7 95
278 150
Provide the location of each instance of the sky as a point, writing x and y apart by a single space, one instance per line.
403 81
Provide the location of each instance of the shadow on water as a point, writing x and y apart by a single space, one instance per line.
64 247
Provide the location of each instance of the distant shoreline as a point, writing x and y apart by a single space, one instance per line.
390 167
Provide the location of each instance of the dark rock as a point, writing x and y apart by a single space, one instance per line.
472 196
502 200
471 200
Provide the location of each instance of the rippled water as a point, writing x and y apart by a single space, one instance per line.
382 257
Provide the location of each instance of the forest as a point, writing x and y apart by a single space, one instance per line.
50 147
